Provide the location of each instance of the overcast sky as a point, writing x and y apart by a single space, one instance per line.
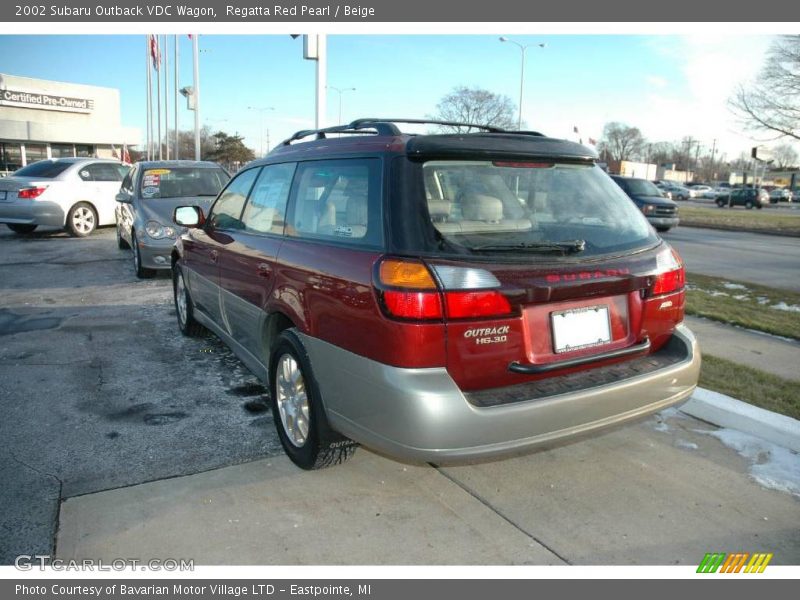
670 86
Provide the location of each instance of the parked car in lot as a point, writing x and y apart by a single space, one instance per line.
661 212
436 297
677 192
148 197
781 195
747 197
74 193
703 191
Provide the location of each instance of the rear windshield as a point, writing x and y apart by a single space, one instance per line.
641 187
480 207
182 182
46 169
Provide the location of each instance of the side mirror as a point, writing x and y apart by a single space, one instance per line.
124 197
189 216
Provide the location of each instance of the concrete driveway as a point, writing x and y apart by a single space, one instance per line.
122 439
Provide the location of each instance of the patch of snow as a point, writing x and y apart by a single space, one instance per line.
741 297
686 445
762 300
734 286
786 307
772 466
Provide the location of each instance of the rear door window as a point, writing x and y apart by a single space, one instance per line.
338 200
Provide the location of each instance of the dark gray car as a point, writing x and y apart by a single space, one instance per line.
147 199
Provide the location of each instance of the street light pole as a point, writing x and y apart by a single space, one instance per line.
522 72
340 91
262 110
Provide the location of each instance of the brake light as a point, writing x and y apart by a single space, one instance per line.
30 193
417 297
522 165
469 305
409 291
674 278
413 305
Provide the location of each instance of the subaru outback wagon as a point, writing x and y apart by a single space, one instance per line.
436 297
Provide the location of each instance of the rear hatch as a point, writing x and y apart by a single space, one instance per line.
544 267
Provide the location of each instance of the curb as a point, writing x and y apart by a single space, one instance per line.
724 411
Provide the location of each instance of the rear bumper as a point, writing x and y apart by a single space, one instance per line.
421 414
32 212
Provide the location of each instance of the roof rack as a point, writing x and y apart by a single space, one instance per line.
387 127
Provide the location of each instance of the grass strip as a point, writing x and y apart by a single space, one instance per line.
751 385
739 218
744 304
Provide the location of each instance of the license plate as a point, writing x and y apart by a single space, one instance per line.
580 328
3 196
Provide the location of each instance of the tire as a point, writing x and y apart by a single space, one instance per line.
297 409
184 308
81 220
121 243
748 204
663 229
721 203
140 271
21 229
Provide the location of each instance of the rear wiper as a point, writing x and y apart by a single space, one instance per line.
565 246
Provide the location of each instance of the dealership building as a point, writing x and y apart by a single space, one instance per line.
52 119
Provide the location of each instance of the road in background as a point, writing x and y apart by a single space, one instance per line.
769 260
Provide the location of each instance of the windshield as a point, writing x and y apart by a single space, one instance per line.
182 182
642 187
531 207
46 169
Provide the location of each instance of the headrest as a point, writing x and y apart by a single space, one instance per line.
357 209
479 207
439 209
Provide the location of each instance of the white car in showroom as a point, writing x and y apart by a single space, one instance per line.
78 194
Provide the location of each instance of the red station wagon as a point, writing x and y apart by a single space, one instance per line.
437 297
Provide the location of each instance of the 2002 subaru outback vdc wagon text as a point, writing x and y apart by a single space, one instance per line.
437 297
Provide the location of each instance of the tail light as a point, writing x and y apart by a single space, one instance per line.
410 290
672 275
29 193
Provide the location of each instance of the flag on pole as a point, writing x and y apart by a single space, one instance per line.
155 52
114 152
593 141
126 156
575 129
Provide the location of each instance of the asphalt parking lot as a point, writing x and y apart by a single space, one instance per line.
122 438
99 389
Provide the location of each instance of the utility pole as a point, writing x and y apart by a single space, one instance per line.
177 86
196 58
713 153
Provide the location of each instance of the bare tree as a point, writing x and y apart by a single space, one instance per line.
785 156
476 105
772 103
621 142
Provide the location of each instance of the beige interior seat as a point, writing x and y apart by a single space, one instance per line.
355 225
481 212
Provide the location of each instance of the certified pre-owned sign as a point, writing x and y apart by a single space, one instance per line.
45 101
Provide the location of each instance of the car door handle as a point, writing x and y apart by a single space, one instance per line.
214 255
264 270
